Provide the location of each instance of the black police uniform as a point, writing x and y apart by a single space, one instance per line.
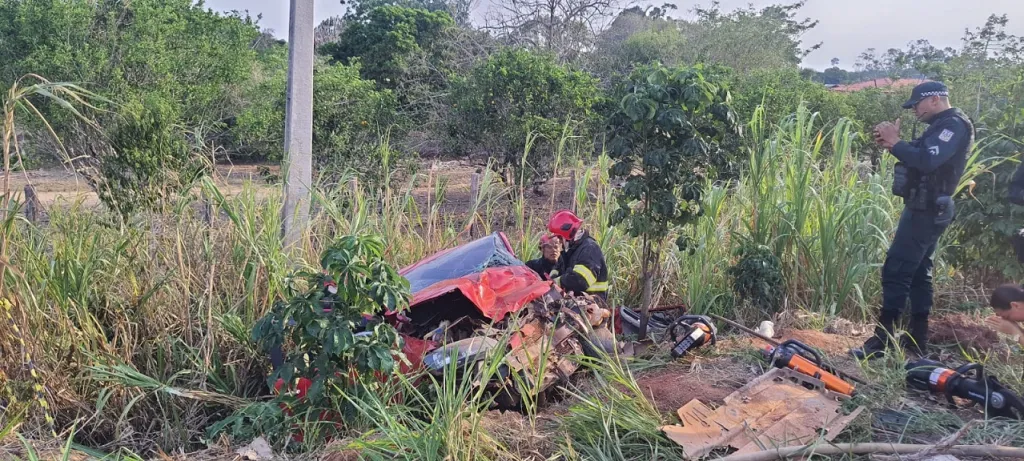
582 268
931 167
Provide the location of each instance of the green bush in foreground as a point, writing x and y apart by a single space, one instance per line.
323 345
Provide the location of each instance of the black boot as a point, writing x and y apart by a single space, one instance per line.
917 340
876 345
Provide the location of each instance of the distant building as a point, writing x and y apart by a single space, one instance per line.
887 83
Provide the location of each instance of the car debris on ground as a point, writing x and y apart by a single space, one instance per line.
775 409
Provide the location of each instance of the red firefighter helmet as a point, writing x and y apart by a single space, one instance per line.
564 224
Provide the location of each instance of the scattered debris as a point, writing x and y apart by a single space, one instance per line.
843 327
766 328
628 323
258 450
773 409
979 451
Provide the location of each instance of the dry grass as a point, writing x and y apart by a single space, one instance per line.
167 301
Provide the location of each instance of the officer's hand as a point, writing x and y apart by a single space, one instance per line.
878 139
888 134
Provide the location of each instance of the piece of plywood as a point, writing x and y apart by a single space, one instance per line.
774 409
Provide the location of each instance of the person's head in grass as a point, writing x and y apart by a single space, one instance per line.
1008 302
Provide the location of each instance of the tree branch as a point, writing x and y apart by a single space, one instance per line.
870 448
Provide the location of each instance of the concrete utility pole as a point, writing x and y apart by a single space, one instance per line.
298 122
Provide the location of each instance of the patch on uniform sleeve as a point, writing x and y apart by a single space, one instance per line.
946 135
934 150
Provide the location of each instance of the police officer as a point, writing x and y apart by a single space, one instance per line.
581 269
926 177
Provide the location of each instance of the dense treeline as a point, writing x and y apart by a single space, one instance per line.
399 78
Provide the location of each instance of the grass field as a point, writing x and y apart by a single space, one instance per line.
140 334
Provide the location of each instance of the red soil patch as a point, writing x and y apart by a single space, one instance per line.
673 386
827 343
968 332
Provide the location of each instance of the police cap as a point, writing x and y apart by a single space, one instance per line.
925 90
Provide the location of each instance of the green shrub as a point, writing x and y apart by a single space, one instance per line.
339 350
515 93
146 159
757 278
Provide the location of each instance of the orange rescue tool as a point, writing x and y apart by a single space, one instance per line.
799 357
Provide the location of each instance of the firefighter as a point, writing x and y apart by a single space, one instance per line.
582 268
550 248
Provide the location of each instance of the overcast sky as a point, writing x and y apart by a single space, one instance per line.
846 28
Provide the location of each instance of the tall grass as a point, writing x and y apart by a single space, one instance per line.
426 417
612 419
173 296
827 223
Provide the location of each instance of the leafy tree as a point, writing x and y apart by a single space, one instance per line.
747 39
517 92
189 58
458 9
387 39
145 158
635 37
349 115
663 138
834 75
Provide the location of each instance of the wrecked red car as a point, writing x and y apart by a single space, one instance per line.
467 298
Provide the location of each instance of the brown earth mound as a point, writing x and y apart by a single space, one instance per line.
965 331
827 343
709 381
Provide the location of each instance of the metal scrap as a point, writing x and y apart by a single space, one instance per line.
775 409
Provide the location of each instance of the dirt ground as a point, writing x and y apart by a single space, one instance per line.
964 331
708 380
64 187
56 185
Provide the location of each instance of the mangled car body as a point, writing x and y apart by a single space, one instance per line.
477 301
